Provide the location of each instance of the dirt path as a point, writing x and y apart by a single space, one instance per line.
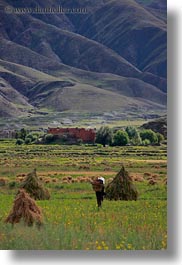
90 173
150 161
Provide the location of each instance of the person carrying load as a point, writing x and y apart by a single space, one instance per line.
98 187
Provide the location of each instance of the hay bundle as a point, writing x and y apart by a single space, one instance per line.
2 182
97 185
34 187
24 208
121 188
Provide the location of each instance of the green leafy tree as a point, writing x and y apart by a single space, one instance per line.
32 137
131 131
49 138
136 139
160 137
134 135
149 135
120 138
23 133
104 136
17 135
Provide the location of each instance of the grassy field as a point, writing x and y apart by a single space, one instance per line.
71 217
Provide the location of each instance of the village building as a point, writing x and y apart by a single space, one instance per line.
74 135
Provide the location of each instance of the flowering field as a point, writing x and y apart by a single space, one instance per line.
71 217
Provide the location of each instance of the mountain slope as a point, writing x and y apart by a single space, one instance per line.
33 83
130 30
112 58
12 102
66 47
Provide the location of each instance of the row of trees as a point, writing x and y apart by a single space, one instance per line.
130 135
104 136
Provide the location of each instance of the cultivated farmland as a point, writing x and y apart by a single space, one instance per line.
71 218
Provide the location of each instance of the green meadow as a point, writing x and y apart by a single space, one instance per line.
71 219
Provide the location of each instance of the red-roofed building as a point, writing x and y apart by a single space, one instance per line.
74 134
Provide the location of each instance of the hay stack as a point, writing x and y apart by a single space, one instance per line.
121 188
25 208
34 187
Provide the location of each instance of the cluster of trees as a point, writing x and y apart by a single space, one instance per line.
105 136
24 137
129 136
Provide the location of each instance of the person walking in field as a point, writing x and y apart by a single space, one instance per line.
98 186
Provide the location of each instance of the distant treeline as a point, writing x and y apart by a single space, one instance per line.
104 136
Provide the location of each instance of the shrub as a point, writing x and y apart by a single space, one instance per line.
32 137
19 141
160 138
28 141
120 138
49 138
149 135
146 142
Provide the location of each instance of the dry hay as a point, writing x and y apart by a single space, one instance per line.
2 182
21 175
97 185
20 179
34 187
155 177
75 180
164 181
84 167
54 180
136 177
121 188
24 208
146 174
93 178
109 180
152 181
47 181
83 179
66 179
87 179
79 179
64 182
107 169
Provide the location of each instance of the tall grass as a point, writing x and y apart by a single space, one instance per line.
71 217
78 224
